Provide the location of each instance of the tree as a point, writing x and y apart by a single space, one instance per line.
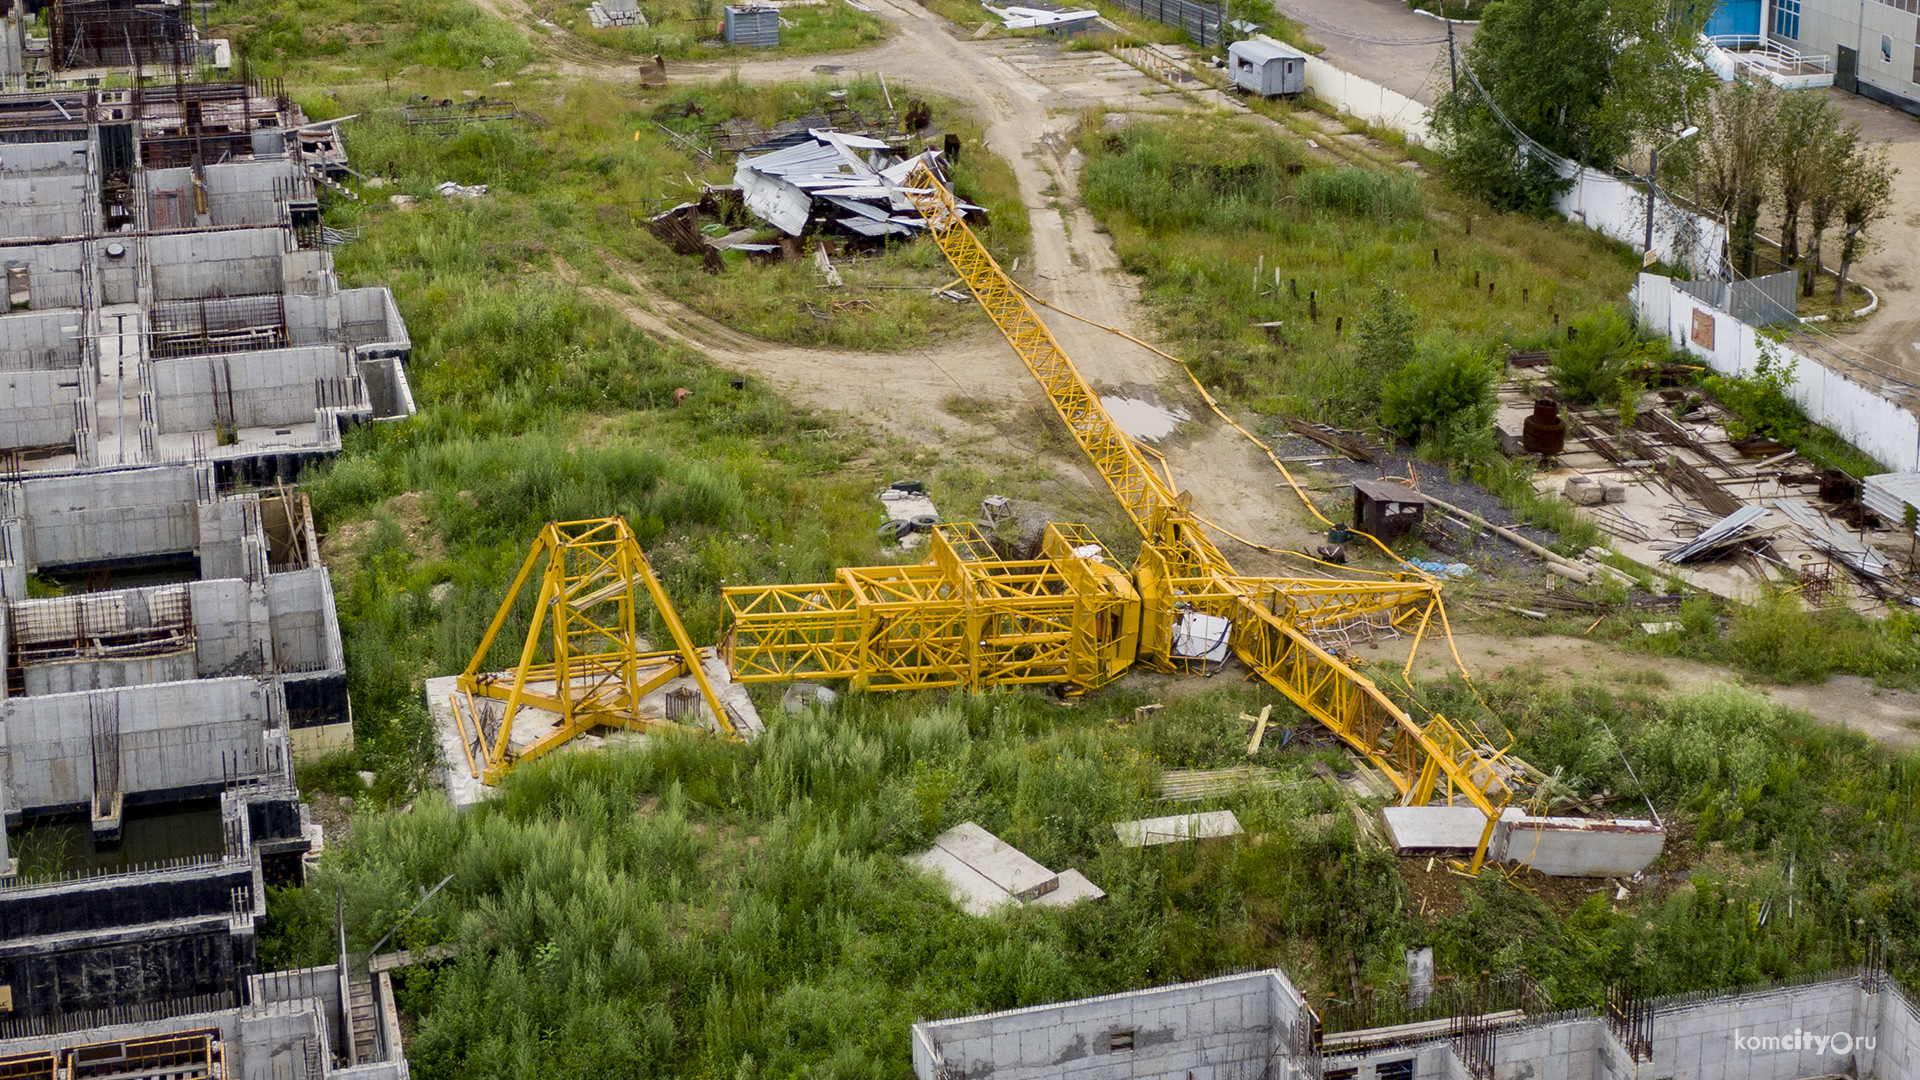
1807 129
1585 79
1730 165
1823 198
1385 337
1866 195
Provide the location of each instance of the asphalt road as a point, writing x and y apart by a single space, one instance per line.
1381 40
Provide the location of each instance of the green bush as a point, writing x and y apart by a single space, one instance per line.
1444 400
1381 194
1589 368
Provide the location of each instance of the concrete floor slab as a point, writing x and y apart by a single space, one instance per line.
1178 828
1434 828
985 873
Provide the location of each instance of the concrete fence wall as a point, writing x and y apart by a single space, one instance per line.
36 407
1831 397
1368 100
1617 209
40 340
1216 1029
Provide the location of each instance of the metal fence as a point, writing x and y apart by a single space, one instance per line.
1201 22
1755 301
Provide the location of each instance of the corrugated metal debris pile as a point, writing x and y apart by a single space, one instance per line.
1679 493
818 182
832 181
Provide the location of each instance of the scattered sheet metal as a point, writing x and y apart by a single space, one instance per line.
848 181
1026 18
1730 530
1858 557
1889 495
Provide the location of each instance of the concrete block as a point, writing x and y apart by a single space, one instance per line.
1583 491
1179 828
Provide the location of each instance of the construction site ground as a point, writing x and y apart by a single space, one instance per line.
971 396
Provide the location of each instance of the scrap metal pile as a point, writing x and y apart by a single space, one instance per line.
833 181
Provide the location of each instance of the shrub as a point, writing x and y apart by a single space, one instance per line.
1388 196
1444 400
1589 368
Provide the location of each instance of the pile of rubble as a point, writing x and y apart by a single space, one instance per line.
605 13
829 180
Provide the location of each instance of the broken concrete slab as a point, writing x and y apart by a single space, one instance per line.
1434 828
1177 828
1556 846
985 873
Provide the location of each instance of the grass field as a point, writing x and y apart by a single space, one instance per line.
705 909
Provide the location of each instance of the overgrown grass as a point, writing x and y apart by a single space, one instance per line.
1231 227
699 908
1781 639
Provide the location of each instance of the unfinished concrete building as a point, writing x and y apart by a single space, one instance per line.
174 349
1257 1026
165 297
293 1025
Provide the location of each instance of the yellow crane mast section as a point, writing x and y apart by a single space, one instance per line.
592 589
961 620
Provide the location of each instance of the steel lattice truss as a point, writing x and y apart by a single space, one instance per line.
593 587
969 618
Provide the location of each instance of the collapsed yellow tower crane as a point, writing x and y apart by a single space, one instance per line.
968 618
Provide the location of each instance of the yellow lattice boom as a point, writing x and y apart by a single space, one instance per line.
1280 627
594 584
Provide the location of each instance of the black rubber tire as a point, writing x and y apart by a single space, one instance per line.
911 487
924 523
893 530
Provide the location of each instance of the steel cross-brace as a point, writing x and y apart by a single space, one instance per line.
595 675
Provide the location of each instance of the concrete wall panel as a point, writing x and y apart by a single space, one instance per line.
40 340
36 407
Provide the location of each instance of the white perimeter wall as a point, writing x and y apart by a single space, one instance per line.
1832 398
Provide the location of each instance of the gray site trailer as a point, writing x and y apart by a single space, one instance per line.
752 25
1267 68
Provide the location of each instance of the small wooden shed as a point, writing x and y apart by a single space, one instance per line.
1385 510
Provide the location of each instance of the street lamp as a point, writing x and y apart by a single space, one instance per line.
1653 193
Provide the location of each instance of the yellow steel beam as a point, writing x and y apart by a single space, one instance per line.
1180 570
591 584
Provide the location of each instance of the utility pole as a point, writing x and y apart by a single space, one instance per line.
1653 173
1453 68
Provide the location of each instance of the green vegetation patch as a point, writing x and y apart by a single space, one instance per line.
699 908
1259 262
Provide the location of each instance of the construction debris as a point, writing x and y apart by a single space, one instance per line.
1177 829
1026 18
609 13
450 190
829 179
1733 530
1196 785
985 873
444 115
910 513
